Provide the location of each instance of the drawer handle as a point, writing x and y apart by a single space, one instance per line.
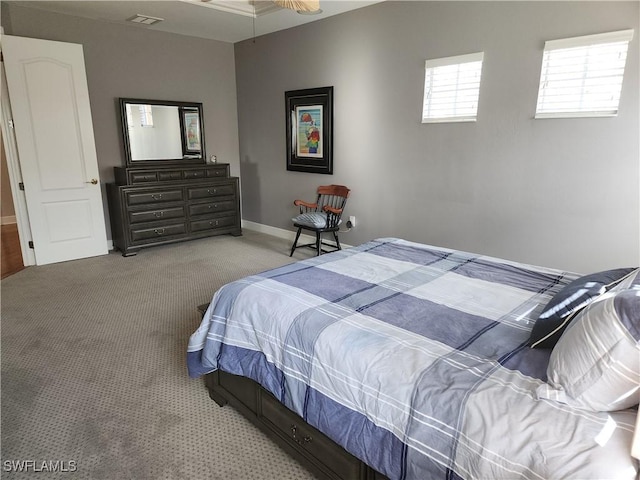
294 434
159 231
212 191
214 224
156 196
158 214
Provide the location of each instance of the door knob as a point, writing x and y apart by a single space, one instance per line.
94 181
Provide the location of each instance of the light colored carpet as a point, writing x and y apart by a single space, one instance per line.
94 370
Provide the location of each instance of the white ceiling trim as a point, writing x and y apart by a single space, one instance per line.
247 8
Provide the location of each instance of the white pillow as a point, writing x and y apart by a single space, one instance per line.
596 363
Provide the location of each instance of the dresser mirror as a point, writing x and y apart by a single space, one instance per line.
158 132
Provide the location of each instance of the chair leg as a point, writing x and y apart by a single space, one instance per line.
293 247
335 235
318 244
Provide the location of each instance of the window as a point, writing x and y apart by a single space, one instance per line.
582 76
452 88
146 116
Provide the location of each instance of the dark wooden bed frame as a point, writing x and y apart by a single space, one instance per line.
316 451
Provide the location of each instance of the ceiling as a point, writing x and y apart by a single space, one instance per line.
223 20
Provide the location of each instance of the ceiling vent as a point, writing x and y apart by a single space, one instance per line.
144 19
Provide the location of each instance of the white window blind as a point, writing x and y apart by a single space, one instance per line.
146 116
582 76
452 88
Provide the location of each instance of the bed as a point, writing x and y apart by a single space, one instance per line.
416 361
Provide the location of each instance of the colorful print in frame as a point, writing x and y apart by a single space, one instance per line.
310 130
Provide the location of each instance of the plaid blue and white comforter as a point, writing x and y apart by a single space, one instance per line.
414 359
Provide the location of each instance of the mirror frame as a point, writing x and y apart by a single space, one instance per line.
188 158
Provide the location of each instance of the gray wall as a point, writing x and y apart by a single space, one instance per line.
562 193
136 62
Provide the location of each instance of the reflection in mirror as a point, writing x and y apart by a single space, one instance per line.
154 132
192 130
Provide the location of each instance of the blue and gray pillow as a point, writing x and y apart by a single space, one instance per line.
312 219
567 303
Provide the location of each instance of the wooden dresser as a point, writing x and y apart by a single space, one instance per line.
158 205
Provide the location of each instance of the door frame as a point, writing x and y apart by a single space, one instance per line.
15 174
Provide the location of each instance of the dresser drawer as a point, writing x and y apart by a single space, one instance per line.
143 177
153 196
156 215
202 225
311 440
211 191
155 233
208 208
194 174
169 176
220 171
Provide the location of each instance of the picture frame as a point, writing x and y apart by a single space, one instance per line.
192 135
309 124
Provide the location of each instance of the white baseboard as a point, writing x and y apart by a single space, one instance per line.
274 231
8 220
281 232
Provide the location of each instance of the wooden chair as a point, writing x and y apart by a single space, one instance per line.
322 216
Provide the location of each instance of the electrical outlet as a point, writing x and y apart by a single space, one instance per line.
352 221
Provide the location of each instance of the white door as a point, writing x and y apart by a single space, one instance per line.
52 123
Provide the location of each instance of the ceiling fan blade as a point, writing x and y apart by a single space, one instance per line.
299 5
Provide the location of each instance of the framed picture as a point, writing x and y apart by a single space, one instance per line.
310 130
191 128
